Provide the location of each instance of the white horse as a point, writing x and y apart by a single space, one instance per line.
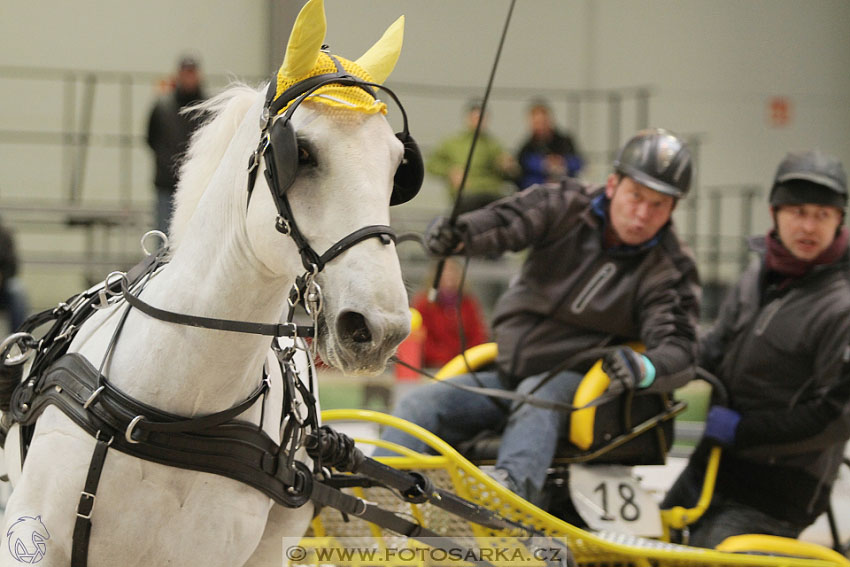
228 262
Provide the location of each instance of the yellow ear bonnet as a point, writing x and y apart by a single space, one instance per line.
305 58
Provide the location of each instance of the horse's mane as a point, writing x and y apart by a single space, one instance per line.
225 112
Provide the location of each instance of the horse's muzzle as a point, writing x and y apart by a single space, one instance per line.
362 344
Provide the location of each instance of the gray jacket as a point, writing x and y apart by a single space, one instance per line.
783 356
573 294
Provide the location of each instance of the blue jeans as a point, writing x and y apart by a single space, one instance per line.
164 207
530 435
13 298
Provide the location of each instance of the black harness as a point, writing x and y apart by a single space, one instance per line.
222 444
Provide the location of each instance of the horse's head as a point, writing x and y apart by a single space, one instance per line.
332 167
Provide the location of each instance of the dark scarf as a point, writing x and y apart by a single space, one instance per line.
781 261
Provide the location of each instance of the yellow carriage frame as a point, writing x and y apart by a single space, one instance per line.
451 471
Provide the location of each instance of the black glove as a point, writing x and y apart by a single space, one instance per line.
442 237
625 366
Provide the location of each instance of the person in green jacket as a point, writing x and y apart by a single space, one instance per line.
491 169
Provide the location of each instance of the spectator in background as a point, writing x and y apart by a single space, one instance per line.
780 346
13 298
547 155
490 171
440 318
169 132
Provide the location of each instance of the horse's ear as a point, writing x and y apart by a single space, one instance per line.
381 58
305 41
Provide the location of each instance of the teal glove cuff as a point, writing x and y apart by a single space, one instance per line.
650 373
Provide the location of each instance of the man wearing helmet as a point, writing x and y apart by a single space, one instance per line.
604 267
780 346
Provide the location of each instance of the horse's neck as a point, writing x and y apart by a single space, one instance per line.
187 370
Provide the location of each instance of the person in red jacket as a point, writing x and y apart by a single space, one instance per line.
440 319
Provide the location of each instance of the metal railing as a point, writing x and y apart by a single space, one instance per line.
84 113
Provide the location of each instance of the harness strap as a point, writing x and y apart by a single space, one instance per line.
294 96
614 392
309 85
234 449
418 488
237 450
82 526
384 232
286 225
124 407
341 453
269 329
348 504
309 257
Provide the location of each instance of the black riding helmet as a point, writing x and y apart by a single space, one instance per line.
809 177
658 159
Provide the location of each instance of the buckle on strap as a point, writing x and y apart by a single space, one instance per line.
254 160
87 500
294 297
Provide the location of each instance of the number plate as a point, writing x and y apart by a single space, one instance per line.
609 498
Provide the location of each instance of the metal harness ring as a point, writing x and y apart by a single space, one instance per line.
314 300
25 343
128 433
159 234
93 396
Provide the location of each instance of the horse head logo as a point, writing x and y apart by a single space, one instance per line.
27 539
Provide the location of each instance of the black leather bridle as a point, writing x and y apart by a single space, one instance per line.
285 223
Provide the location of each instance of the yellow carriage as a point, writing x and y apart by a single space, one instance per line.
338 540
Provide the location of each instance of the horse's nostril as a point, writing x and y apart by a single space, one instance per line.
353 325
362 336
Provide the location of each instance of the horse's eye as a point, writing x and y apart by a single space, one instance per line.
305 157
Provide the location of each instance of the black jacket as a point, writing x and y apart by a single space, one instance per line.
169 132
783 355
8 257
573 294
